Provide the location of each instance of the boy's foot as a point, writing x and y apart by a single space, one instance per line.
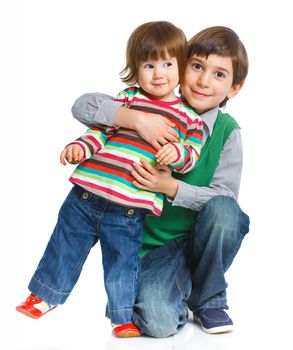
34 307
126 330
213 321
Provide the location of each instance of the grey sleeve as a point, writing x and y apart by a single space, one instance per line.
226 180
95 108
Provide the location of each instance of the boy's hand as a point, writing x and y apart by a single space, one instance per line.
154 178
167 154
72 153
155 129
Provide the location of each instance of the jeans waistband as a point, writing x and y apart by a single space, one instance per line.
87 195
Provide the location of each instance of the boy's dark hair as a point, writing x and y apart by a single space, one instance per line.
152 41
221 41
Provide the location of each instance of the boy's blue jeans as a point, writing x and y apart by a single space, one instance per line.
188 273
83 220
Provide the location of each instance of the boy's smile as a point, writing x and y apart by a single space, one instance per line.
208 81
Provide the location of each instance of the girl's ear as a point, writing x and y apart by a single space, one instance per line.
234 90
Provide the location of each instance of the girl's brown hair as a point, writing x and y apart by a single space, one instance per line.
152 41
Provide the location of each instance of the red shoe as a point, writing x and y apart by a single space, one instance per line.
126 330
34 307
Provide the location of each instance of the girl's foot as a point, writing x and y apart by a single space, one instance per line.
126 330
34 307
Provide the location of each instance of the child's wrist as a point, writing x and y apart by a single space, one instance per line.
127 118
172 188
138 120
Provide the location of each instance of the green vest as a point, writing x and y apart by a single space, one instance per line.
177 221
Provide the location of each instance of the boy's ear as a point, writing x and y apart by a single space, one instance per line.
234 90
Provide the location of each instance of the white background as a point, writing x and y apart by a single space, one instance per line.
56 50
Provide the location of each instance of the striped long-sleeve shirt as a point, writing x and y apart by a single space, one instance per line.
109 153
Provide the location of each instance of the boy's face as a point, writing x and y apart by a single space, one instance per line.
159 78
208 81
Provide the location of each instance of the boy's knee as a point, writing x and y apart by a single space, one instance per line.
159 317
157 324
225 213
221 204
221 210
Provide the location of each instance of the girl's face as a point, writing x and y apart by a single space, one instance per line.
208 81
159 78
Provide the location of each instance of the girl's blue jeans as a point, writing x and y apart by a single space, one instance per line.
85 218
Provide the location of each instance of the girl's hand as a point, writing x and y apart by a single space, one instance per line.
167 154
72 153
155 179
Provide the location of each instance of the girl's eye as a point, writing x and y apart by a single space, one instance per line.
197 66
167 64
148 66
220 75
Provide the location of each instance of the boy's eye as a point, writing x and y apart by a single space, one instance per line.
220 75
197 66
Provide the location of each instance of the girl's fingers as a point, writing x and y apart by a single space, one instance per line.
167 154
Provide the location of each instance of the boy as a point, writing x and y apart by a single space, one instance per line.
203 226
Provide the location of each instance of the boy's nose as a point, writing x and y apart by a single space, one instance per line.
204 80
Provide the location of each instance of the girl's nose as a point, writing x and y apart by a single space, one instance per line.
157 73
